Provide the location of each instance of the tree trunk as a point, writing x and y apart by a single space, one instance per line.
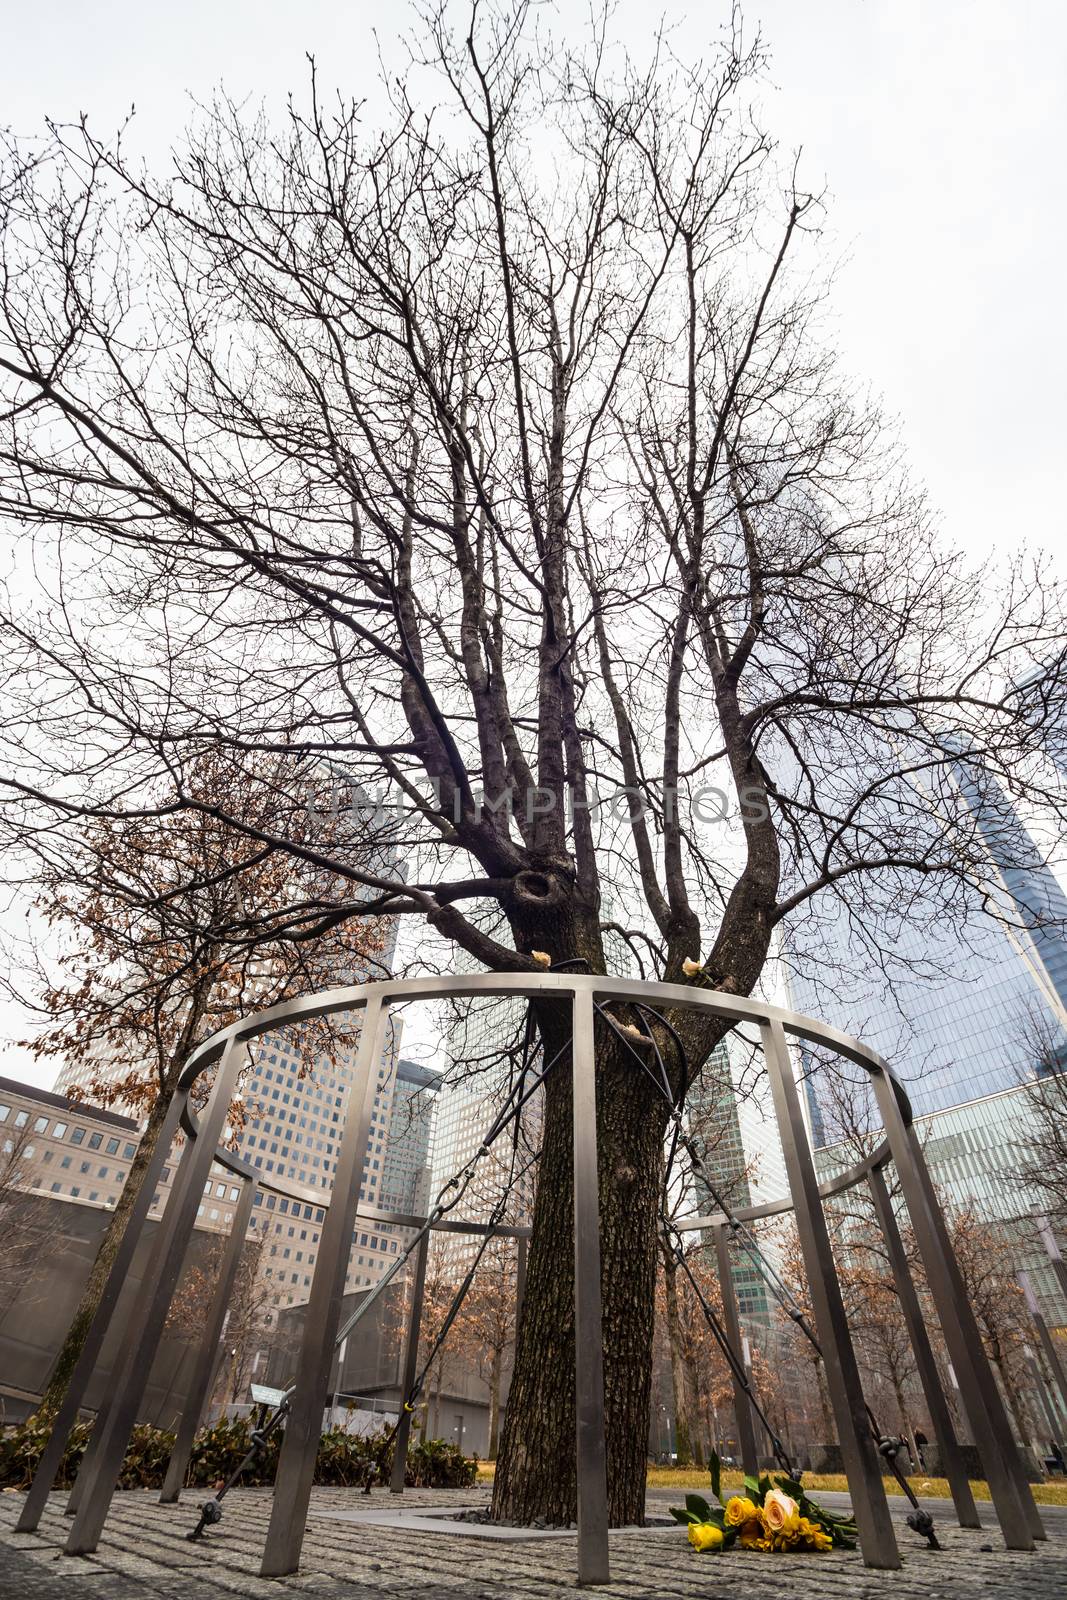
674 1340
829 1431
535 1476
65 1361
905 1421
494 1404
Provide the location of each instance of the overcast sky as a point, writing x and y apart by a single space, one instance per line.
939 127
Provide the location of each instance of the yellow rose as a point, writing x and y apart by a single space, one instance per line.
780 1512
739 1510
705 1536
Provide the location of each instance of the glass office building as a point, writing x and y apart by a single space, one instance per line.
983 1009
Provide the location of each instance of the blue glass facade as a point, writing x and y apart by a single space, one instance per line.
960 1027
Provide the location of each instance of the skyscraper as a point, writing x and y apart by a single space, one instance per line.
406 1171
958 1023
733 1127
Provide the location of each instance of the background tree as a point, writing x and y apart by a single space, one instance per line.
988 1258
172 927
1041 1147
23 1224
501 450
490 1324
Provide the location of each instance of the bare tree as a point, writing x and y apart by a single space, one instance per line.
23 1227
501 456
171 927
1040 1152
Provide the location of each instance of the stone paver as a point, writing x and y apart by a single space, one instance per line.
144 1553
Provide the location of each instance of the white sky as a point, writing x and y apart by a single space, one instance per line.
938 125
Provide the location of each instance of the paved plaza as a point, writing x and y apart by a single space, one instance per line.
144 1553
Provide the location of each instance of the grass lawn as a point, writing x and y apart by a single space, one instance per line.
682 1478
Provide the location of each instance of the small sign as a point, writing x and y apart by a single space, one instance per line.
262 1396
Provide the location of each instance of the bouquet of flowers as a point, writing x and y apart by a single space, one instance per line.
771 1514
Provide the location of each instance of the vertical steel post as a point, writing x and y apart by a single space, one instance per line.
207 1356
862 1462
1052 1250
84 1367
1040 1385
1019 1521
411 1361
133 1363
522 1251
303 1429
952 1464
746 1432
1052 1355
588 1318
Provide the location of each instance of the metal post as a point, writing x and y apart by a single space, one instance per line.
746 1432
522 1251
84 1367
133 1363
411 1359
1052 1355
1019 1521
1052 1250
588 1318
862 1462
952 1464
87 1467
207 1357
303 1429
1039 1382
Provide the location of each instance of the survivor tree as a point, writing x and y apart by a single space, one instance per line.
490 446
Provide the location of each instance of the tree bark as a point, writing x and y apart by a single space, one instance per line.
535 1477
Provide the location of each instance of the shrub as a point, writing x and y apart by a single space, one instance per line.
345 1460
437 1464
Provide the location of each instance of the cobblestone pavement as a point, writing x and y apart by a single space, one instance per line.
144 1554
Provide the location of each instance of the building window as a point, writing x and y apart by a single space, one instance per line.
77 1136
112 1147
129 1152
5 1112
95 1141
21 1118
85 1166
94 1194
59 1131
41 1125
75 1191
65 1161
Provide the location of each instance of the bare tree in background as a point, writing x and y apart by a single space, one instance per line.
499 454
23 1226
171 927
1040 1149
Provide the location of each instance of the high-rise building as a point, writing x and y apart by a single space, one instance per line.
958 1023
732 1124
406 1171
485 1054
955 1020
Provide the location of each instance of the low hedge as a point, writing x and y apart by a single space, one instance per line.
345 1460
